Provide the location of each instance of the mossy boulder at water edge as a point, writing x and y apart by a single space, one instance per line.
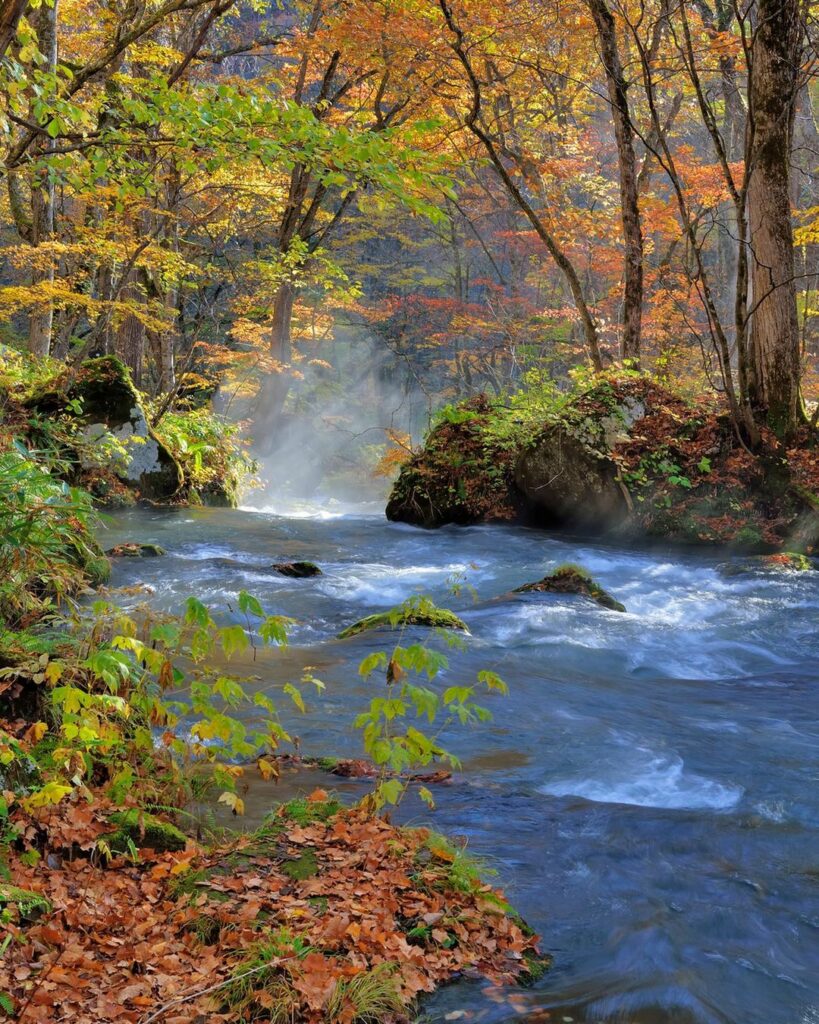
572 579
462 475
102 398
131 549
435 618
623 455
779 562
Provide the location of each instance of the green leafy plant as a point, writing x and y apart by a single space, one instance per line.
118 710
391 739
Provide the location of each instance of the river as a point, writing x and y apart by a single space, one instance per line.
649 790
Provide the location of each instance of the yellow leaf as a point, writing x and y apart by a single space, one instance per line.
234 802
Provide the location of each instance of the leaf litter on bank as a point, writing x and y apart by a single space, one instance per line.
169 936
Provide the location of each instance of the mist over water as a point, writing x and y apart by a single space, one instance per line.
648 792
320 460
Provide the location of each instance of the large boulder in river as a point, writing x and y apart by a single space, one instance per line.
464 473
622 454
114 430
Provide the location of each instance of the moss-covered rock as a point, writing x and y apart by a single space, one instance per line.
435 618
572 579
623 454
101 396
778 562
462 475
298 570
25 904
143 830
130 549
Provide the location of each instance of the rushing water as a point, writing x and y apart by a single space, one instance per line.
648 792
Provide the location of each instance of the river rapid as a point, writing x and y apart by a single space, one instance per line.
649 790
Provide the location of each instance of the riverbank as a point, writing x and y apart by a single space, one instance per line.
118 903
619 455
321 914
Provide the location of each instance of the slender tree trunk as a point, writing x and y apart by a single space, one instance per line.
11 11
474 123
627 163
277 386
42 202
130 334
774 340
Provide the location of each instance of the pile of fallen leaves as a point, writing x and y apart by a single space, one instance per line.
323 914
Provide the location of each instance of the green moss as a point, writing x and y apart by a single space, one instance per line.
27 904
186 884
435 618
748 537
305 812
302 867
143 830
782 561
572 579
536 966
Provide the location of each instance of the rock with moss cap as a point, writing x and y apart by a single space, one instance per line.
130 549
416 615
572 579
143 830
780 561
105 402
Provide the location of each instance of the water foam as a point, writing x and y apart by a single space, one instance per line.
653 781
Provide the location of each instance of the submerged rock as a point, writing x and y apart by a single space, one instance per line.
131 549
780 561
298 570
572 579
435 618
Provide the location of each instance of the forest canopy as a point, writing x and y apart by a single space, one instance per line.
220 191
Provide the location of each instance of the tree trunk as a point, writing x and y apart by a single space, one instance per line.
42 201
11 11
774 341
277 386
130 334
627 164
